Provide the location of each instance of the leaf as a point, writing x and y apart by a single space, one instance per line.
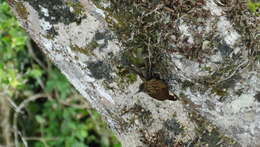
35 73
40 119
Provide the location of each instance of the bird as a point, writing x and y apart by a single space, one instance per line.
153 85
157 89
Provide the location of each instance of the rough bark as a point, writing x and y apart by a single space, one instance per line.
207 52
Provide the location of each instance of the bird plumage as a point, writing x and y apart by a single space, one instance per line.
157 89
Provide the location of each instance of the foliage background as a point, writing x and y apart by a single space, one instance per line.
38 106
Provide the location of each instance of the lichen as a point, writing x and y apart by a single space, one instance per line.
246 23
135 57
51 33
100 70
220 91
139 113
140 27
222 79
126 77
143 36
76 6
160 138
131 77
208 134
85 51
21 10
58 11
173 126
92 45
187 84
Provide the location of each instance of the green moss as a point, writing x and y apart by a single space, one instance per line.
125 75
131 78
50 36
227 68
77 7
160 138
174 126
135 57
98 2
21 10
85 51
187 84
258 57
243 14
58 11
51 33
253 6
222 79
219 91
128 78
140 113
207 69
92 45
208 134
139 35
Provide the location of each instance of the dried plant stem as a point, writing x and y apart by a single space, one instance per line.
18 110
4 121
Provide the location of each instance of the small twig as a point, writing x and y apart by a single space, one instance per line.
234 72
32 98
12 103
154 10
169 9
23 140
39 138
78 106
5 113
18 110
149 54
39 80
31 52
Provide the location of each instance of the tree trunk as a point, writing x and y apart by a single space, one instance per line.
206 53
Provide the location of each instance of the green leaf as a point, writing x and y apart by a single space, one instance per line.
40 119
35 73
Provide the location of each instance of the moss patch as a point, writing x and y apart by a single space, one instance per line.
160 138
174 126
140 113
243 14
144 29
21 10
77 7
51 33
187 84
131 78
100 70
125 75
254 7
85 51
208 134
58 10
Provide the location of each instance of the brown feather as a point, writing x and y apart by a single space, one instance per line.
158 89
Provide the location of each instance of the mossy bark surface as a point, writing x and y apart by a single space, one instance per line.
207 51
